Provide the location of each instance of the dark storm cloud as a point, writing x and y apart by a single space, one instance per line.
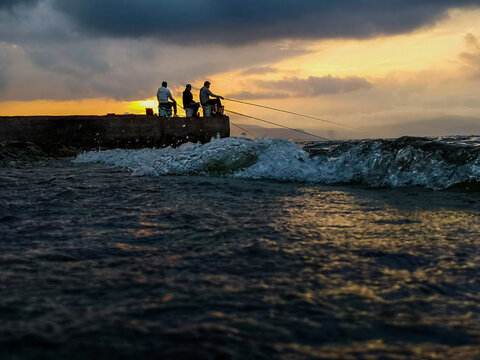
3 80
75 62
238 22
4 61
10 4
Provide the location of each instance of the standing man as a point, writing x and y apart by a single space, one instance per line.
163 95
188 102
205 94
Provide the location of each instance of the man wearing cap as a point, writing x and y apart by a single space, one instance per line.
163 95
188 100
205 94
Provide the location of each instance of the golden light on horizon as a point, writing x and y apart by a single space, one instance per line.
138 107
401 57
71 107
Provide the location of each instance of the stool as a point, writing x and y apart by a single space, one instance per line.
164 112
208 110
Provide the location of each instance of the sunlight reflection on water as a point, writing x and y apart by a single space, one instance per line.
222 268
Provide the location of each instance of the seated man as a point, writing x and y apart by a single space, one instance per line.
163 94
188 102
205 94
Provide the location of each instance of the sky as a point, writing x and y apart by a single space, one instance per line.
380 68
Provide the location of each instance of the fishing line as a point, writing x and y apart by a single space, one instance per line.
270 122
286 112
291 113
242 129
283 126
181 107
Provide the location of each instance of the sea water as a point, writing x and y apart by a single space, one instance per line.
244 249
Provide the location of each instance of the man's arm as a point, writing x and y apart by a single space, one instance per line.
213 95
171 97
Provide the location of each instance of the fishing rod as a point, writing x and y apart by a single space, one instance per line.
290 112
241 128
270 122
286 112
181 107
283 126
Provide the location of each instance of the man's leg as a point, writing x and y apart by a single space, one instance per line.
174 105
165 106
218 103
214 102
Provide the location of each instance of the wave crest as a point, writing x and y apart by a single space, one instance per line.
375 163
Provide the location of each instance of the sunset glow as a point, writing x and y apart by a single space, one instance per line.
239 179
426 73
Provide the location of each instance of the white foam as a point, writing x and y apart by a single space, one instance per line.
368 163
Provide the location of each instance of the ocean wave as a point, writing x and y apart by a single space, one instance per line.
406 161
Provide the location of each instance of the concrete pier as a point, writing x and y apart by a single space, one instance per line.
111 131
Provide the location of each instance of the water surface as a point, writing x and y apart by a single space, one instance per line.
96 262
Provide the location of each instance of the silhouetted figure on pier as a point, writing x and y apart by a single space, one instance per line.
163 95
205 95
190 106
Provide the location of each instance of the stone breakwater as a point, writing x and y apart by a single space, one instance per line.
53 134
20 153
